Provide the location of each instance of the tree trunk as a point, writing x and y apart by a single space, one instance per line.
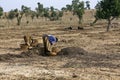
18 21
95 21
80 20
8 23
109 25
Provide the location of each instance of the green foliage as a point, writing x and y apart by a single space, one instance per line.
40 6
33 14
108 9
52 9
69 7
40 10
51 13
55 14
78 9
63 9
87 4
16 14
26 10
11 15
1 11
46 12
60 13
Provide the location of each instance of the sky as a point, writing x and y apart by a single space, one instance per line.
7 5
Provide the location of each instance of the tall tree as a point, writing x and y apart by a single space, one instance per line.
109 10
1 11
39 10
78 9
19 15
63 9
87 4
11 15
69 7
97 7
33 14
46 13
53 14
52 8
26 10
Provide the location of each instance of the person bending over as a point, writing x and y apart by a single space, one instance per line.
48 42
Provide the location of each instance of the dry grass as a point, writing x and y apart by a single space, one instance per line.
89 54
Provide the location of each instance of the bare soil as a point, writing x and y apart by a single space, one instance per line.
89 54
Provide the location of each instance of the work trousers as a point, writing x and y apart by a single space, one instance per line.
47 45
28 40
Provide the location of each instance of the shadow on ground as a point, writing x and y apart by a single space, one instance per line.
82 59
76 58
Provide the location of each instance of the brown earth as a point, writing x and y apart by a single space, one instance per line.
89 54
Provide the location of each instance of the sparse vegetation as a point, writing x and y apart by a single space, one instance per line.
84 52
78 9
39 10
11 15
1 11
87 4
26 10
109 10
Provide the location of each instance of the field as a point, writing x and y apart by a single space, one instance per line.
91 53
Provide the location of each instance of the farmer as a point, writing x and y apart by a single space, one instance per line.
28 40
48 42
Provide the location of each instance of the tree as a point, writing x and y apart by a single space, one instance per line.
87 4
1 11
97 7
39 10
11 15
60 13
63 9
53 14
33 14
109 10
46 13
52 8
78 9
26 10
69 7
19 15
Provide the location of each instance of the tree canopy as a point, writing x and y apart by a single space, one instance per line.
78 9
1 11
109 10
87 4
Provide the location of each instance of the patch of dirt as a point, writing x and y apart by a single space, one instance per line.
34 52
89 54
38 51
72 51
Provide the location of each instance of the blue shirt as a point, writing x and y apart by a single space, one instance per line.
52 39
